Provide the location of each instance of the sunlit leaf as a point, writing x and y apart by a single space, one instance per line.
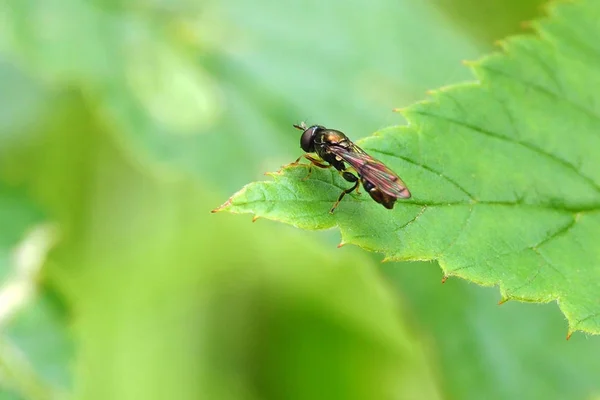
485 352
34 348
505 175
158 312
489 20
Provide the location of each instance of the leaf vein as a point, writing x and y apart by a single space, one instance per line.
558 232
531 279
427 168
594 315
566 164
541 89
551 74
415 218
461 230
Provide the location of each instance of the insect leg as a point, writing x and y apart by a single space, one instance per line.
316 163
312 160
350 178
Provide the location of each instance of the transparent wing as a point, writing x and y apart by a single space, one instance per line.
372 170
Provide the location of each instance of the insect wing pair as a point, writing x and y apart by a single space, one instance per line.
333 147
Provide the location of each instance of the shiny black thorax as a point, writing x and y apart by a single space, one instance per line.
318 139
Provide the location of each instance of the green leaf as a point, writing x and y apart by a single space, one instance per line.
488 20
484 352
156 310
34 352
504 174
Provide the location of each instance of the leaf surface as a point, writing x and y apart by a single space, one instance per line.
504 172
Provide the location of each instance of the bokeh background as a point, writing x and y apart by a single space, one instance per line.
123 123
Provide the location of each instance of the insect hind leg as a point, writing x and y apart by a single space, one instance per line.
344 192
349 176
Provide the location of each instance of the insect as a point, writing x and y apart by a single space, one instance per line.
335 149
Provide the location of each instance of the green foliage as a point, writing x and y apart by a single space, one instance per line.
490 20
511 351
212 317
28 325
504 175
123 122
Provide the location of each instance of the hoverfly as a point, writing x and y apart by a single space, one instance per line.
334 148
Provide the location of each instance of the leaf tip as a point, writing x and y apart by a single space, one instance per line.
342 243
445 278
400 110
503 300
500 43
569 334
222 207
275 174
527 24
255 218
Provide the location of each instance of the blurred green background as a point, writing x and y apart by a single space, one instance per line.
124 123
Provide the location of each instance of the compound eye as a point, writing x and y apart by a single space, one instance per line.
307 140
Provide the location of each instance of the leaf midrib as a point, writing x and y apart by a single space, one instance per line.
540 206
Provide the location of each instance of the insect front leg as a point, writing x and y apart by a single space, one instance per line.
315 162
350 177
